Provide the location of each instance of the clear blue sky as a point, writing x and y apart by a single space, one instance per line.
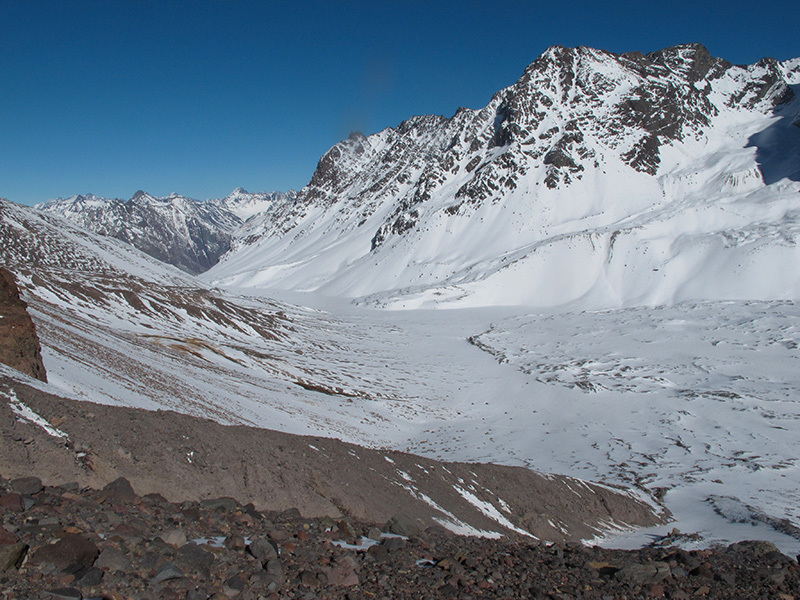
200 97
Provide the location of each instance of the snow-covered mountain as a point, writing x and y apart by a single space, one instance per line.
596 181
602 178
186 233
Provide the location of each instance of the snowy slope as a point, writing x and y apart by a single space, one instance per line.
697 401
188 234
609 180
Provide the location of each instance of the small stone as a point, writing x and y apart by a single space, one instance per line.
274 567
262 549
401 525
704 571
197 594
112 560
379 553
166 573
757 547
120 491
291 514
11 555
346 530
252 512
193 557
279 535
127 531
233 586
156 499
343 573
374 534
27 485
393 543
235 542
13 502
174 537
308 578
6 537
63 594
777 577
73 549
92 576
643 574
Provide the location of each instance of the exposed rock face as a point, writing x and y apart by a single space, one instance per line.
19 345
572 109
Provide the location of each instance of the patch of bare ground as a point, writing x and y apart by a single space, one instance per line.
180 457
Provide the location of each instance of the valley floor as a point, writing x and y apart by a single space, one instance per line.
696 403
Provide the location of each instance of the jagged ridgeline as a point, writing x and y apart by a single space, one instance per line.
596 164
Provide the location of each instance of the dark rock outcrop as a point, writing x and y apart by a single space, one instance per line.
19 344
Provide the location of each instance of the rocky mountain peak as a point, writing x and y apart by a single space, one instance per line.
579 123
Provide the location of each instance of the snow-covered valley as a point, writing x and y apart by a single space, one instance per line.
694 403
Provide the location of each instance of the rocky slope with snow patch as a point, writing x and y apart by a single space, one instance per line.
609 179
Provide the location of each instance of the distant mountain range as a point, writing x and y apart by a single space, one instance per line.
599 178
188 234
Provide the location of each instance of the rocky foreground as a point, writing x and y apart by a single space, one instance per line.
67 543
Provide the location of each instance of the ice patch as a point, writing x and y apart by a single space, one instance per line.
25 413
489 510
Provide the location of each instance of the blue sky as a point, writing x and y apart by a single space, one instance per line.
200 97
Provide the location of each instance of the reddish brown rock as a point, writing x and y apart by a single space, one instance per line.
74 549
19 344
13 502
344 572
120 490
6 537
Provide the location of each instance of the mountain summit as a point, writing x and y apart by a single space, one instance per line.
609 179
598 179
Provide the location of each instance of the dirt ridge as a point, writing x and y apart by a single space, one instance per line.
181 456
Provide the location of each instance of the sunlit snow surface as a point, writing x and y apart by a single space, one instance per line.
696 398
699 398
